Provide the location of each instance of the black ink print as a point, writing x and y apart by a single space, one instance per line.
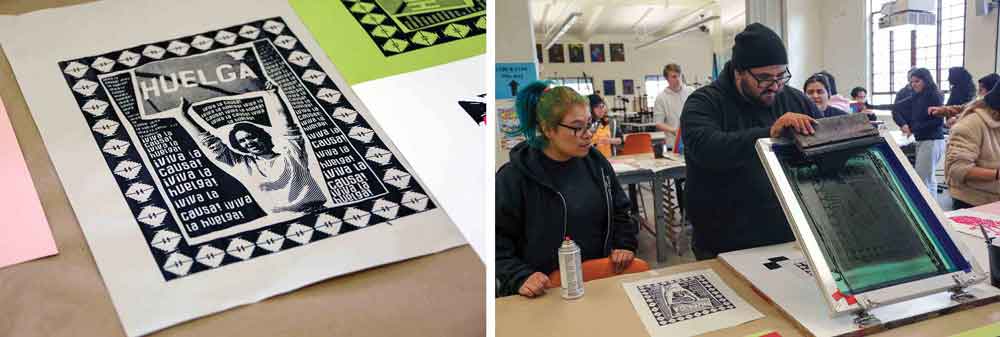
233 144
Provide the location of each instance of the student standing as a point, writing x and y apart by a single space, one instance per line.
670 102
927 129
730 200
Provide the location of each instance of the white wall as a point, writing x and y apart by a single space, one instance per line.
980 41
692 51
845 50
804 40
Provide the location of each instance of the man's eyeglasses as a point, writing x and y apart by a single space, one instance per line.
766 81
578 131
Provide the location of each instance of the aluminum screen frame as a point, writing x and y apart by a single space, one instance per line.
810 245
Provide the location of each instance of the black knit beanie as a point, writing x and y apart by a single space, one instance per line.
993 97
758 46
989 81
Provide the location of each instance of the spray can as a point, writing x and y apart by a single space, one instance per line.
570 270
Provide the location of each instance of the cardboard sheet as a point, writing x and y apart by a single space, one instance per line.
24 230
175 234
688 304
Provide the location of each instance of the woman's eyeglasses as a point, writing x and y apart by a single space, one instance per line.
578 131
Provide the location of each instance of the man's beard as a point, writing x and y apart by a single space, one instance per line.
747 89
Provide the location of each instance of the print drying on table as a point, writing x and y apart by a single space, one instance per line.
233 144
673 301
402 26
476 108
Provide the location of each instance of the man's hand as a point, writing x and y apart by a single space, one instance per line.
534 285
621 259
906 130
801 123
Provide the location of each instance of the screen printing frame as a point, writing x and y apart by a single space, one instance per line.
810 245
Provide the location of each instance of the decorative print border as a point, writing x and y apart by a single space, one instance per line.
395 36
172 254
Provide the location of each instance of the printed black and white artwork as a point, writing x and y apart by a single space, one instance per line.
681 299
233 144
798 267
687 304
476 108
401 26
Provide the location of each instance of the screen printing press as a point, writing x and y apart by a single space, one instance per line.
873 247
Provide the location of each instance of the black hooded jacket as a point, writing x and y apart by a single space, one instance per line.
531 217
730 200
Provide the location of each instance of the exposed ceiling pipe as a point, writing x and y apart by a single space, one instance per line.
678 32
563 29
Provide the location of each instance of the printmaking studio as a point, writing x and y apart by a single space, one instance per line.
747 168
228 167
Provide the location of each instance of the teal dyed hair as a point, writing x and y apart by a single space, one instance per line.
539 106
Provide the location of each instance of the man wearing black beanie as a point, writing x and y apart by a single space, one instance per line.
729 199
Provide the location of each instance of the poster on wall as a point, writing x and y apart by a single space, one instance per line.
508 124
218 162
628 87
512 76
576 54
556 54
617 52
597 52
609 87
538 52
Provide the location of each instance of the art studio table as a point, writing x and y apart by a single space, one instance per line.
605 310
64 295
640 168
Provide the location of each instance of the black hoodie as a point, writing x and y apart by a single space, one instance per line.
730 201
531 217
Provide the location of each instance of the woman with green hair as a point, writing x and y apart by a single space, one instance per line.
556 185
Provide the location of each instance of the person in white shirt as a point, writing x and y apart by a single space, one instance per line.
670 102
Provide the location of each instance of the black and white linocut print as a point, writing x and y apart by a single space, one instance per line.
232 144
678 300
401 26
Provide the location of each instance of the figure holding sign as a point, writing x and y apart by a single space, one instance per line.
276 173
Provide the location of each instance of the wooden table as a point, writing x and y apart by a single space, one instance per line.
605 310
645 168
436 295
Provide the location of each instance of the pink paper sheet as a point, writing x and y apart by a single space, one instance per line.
24 231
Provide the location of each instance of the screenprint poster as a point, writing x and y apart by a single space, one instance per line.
688 304
230 145
214 161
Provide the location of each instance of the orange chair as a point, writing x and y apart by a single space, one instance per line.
637 143
597 269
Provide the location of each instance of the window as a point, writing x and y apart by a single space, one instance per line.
936 48
654 85
582 85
